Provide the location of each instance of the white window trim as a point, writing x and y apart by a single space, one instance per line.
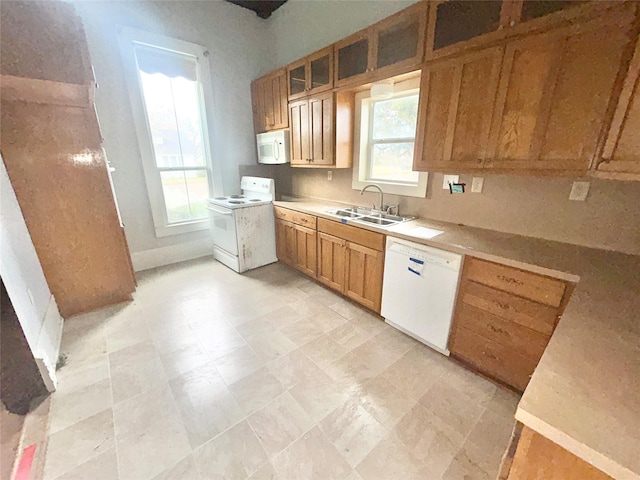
360 149
127 37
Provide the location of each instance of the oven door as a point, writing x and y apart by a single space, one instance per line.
222 224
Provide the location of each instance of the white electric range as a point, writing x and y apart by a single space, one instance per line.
243 226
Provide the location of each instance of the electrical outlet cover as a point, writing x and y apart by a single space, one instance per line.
579 191
477 184
329 175
449 179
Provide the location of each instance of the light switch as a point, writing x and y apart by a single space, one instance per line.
579 191
477 184
329 175
449 179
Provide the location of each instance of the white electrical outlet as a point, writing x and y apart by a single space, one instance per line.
476 184
579 191
449 179
329 175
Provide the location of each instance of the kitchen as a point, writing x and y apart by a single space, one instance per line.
533 212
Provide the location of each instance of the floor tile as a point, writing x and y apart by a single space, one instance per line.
382 400
319 395
236 453
279 423
185 469
101 467
205 404
71 379
353 431
145 454
294 368
136 378
349 336
70 408
323 350
183 359
79 443
390 459
311 457
137 414
302 331
266 472
272 345
256 390
237 364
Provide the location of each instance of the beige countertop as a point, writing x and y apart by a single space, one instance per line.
585 392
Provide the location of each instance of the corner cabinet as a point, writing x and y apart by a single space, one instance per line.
391 47
269 101
504 319
322 130
351 261
620 158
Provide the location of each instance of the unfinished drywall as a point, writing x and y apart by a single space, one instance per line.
26 285
238 43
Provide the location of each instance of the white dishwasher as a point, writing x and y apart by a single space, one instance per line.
419 291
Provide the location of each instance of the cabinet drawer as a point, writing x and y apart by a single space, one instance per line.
512 308
524 284
298 218
357 235
493 359
520 339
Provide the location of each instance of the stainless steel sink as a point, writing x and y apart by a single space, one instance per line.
367 216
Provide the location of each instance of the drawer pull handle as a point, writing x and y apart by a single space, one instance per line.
512 280
503 306
498 330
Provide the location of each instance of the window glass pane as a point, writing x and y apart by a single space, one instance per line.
393 162
185 194
395 118
173 111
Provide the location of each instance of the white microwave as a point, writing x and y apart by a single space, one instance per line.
273 147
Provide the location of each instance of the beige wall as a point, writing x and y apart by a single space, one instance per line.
533 206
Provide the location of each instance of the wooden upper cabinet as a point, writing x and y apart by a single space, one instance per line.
392 46
453 24
312 74
620 158
553 96
269 101
456 102
321 130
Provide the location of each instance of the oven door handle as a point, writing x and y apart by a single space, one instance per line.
221 212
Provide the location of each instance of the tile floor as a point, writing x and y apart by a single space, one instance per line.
210 374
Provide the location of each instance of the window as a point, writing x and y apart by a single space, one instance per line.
385 141
167 81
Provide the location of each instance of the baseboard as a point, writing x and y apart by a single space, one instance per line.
48 344
159 257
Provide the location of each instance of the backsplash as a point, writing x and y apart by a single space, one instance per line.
533 206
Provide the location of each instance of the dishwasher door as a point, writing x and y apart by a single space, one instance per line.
419 291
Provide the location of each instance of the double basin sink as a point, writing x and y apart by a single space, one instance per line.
367 217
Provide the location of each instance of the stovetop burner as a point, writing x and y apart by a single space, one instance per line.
220 198
254 199
236 196
237 202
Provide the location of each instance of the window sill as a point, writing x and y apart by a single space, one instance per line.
179 228
419 190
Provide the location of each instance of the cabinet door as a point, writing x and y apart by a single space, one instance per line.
281 240
399 41
305 250
456 104
321 137
297 79
320 71
553 96
364 275
269 101
299 132
454 25
621 155
257 103
331 261
353 58
279 115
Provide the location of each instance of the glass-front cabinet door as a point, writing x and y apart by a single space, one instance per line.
311 74
399 39
353 58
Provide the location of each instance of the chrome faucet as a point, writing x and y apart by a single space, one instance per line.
373 185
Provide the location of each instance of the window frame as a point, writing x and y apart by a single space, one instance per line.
128 38
363 145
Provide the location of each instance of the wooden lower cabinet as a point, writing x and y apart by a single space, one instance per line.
504 319
364 269
331 261
296 246
538 458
